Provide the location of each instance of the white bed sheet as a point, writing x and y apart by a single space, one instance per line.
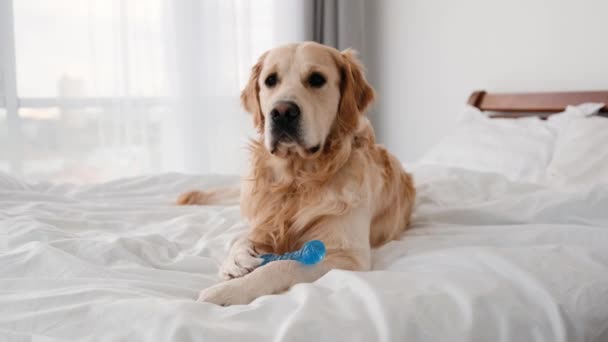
485 260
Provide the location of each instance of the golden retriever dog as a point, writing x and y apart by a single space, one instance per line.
316 173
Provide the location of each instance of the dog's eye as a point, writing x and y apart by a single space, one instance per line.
271 80
316 80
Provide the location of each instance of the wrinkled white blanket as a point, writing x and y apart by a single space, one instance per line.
486 260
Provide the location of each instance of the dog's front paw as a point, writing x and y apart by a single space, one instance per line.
239 263
227 293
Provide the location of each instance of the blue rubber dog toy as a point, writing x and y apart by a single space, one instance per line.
311 253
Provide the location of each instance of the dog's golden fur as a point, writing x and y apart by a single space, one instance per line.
352 194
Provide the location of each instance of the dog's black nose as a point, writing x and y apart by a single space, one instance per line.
285 112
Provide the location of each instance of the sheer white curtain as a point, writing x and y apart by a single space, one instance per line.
213 45
113 88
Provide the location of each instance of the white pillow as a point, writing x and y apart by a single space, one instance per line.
580 156
520 149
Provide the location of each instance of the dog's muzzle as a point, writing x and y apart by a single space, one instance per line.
285 128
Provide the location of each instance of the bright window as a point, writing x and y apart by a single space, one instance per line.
91 48
93 90
90 84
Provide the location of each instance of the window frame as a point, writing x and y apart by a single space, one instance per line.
10 101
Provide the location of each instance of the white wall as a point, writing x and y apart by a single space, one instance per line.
425 57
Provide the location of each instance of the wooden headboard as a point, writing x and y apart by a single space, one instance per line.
515 105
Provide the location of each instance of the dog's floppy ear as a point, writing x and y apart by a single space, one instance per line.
250 99
356 93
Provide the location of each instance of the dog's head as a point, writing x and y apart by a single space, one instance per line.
300 94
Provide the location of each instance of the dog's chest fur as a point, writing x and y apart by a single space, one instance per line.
284 202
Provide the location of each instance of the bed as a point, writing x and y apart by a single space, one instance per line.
490 256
